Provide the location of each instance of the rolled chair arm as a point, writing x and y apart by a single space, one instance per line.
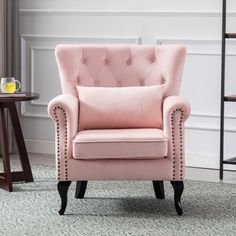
174 103
64 111
176 110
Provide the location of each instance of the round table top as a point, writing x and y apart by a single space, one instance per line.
18 97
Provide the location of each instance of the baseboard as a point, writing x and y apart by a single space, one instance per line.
40 146
199 160
203 160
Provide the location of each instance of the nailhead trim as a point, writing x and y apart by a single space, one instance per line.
58 142
181 143
173 143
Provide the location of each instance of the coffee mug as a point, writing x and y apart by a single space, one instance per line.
9 85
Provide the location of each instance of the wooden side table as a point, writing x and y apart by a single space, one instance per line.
7 101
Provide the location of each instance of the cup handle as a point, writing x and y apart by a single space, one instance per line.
18 82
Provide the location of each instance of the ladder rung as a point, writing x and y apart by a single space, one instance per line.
231 161
230 98
230 35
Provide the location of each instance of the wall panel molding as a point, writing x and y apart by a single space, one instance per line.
32 77
208 47
53 39
123 13
80 39
32 43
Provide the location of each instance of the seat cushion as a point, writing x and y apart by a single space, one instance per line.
120 144
122 107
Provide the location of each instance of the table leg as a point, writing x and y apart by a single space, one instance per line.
6 177
28 177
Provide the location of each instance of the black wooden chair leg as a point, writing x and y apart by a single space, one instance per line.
178 189
159 189
80 189
62 188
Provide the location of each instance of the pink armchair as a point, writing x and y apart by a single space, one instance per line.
89 147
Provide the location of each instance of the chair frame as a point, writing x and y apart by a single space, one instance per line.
64 110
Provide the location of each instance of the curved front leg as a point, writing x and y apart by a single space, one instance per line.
178 189
62 188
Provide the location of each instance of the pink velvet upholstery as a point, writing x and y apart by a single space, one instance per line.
137 154
107 108
120 144
120 66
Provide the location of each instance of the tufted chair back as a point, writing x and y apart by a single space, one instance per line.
120 66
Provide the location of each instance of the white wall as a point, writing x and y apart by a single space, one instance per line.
197 24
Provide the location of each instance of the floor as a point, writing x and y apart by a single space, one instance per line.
199 174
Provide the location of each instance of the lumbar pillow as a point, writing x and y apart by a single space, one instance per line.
120 107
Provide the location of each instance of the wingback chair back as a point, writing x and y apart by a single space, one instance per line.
120 152
120 66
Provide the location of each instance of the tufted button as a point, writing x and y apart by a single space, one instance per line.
105 61
118 83
82 60
163 81
142 82
78 80
96 82
128 62
154 59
